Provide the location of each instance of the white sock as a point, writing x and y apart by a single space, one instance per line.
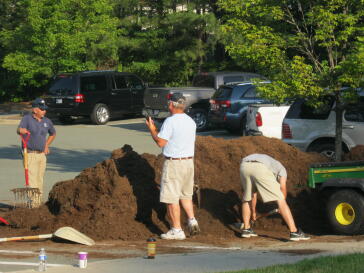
192 221
177 229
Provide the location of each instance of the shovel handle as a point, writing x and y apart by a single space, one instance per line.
22 238
25 140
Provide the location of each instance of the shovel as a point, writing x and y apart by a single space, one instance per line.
66 233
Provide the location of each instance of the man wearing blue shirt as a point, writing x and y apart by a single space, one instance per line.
38 126
177 138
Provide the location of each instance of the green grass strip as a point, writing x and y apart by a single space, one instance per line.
350 263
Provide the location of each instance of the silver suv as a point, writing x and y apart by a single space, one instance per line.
313 129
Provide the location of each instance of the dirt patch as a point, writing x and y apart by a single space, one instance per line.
119 197
356 153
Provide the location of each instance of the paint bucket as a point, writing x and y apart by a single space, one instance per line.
82 259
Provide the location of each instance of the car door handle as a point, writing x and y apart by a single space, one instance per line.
113 93
134 92
348 126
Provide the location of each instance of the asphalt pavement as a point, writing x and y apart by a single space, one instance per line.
216 261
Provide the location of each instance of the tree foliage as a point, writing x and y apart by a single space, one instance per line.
308 48
65 35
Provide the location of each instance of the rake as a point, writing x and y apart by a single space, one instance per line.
26 197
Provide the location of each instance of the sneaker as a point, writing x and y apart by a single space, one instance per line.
247 233
298 235
193 227
238 226
173 234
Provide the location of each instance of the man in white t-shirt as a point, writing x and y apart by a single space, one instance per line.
177 138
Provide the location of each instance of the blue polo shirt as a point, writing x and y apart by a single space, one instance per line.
38 131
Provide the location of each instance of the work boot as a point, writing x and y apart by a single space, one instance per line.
174 234
247 233
193 227
298 235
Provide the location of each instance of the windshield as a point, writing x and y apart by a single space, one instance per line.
63 85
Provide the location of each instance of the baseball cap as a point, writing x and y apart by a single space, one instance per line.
178 97
39 103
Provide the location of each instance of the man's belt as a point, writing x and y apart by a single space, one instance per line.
35 151
178 158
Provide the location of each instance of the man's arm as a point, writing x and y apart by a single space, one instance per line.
254 206
22 131
154 132
283 183
49 141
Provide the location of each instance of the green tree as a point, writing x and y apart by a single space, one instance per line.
165 42
64 35
307 48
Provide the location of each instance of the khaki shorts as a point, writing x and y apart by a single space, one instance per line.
177 181
255 176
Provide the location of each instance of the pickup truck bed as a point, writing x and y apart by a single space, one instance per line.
265 120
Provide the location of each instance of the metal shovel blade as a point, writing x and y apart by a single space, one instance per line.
73 235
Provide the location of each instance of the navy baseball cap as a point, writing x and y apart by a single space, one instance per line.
178 97
39 103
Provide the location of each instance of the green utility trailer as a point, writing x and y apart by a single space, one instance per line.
342 186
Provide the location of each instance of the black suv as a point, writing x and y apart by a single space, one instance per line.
95 94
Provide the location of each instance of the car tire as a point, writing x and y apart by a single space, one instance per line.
242 130
326 149
65 119
200 118
100 114
345 210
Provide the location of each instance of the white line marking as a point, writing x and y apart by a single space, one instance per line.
33 264
17 251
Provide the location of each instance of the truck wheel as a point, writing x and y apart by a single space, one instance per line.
242 130
345 210
100 114
326 149
200 118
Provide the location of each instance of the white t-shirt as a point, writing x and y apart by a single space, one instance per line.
180 132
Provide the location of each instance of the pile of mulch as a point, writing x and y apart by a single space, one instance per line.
119 197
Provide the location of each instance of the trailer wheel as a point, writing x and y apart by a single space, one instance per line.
345 210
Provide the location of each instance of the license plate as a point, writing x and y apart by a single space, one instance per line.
59 101
214 107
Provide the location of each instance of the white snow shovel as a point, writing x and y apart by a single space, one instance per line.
66 233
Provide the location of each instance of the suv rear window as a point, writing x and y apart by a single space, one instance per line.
355 112
93 83
223 93
63 86
237 78
301 109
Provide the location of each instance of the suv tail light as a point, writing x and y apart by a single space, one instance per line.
258 119
169 95
225 103
286 131
79 98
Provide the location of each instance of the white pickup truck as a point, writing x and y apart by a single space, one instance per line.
265 120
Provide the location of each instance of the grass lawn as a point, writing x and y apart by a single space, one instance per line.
351 263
